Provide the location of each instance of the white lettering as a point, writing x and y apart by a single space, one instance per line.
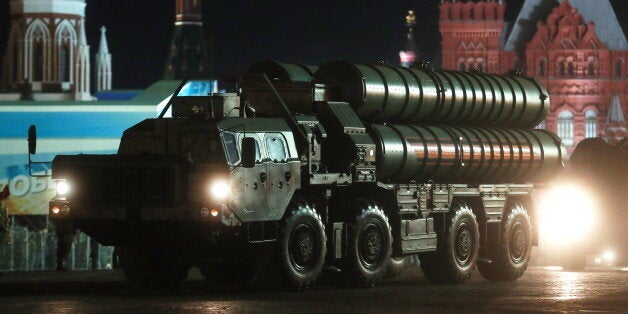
19 186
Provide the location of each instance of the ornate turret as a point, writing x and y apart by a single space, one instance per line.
103 63
410 53
615 128
188 48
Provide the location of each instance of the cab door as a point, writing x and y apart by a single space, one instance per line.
249 194
279 172
255 190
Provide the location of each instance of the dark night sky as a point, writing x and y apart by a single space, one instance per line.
246 31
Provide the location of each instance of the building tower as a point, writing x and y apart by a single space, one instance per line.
410 53
43 49
616 127
471 35
103 63
188 48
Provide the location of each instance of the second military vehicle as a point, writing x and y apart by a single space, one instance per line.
343 165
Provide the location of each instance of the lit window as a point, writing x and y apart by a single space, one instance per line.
565 127
541 68
591 124
276 148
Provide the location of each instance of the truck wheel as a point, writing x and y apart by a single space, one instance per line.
146 269
397 265
456 252
296 261
226 274
510 260
369 247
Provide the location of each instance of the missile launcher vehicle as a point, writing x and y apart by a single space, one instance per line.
346 166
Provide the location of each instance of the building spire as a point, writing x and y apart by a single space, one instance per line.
82 79
410 52
103 48
103 63
188 48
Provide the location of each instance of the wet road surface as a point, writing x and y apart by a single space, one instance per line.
540 289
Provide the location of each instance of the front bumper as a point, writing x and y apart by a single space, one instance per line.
64 210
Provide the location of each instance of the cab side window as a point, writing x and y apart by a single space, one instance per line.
258 151
231 148
276 147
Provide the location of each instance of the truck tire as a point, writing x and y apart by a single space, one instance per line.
369 246
225 274
397 265
146 269
456 252
510 259
296 261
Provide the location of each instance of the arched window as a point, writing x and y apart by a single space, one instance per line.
65 37
565 127
64 64
561 68
591 124
618 68
481 66
570 70
38 61
540 69
471 14
36 37
462 66
591 68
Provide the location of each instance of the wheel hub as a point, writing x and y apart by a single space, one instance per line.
302 247
463 245
518 243
371 246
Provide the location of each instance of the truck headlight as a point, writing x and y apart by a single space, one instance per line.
567 214
220 190
63 187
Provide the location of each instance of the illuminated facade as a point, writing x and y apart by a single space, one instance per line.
576 48
47 52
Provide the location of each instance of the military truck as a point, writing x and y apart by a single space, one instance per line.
591 219
347 166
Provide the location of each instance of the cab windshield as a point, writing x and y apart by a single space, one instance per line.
200 146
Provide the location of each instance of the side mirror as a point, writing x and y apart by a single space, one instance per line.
32 139
249 151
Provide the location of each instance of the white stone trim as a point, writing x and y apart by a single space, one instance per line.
72 7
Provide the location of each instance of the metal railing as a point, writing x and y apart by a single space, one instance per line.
26 250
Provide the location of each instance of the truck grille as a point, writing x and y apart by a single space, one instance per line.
120 180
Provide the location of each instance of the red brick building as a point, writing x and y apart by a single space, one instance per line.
576 48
